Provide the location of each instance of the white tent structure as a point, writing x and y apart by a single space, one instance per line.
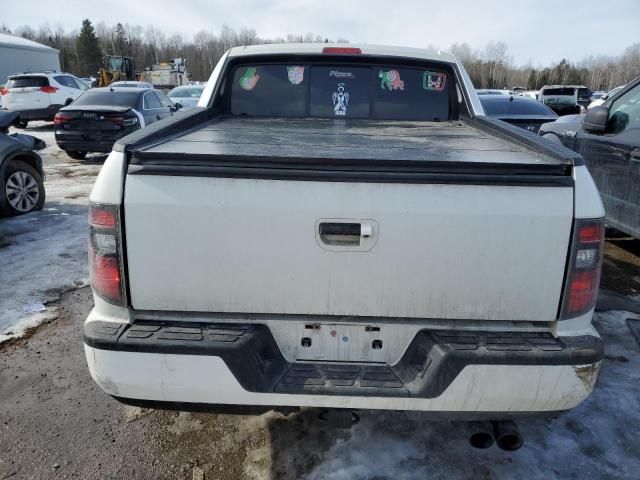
19 55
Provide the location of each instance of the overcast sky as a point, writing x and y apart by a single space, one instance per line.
542 31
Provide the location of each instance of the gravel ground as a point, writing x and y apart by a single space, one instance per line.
56 423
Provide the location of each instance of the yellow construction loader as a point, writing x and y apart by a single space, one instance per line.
115 68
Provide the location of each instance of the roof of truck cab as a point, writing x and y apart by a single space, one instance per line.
311 48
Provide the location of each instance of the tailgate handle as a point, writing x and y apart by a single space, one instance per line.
343 234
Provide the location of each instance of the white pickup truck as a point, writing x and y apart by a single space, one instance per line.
342 227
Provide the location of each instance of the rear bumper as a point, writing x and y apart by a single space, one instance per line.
441 371
40 113
78 142
104 147
86 141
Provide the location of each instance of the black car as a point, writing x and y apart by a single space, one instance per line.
608 137
21 174
520 111
101 116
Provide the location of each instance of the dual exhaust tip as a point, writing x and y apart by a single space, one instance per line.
504 433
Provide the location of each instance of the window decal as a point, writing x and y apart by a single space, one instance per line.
434 81
295 74
249 80
338 74
340 100
390 80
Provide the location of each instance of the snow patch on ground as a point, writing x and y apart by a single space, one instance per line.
43 254
598 439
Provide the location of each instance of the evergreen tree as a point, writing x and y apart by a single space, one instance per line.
121 43
531 83
89 55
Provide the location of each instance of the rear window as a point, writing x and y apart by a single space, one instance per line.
379 92
22 82
559 91
584 93
114 99
505 106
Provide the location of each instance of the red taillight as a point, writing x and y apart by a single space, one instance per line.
591 233
105 276
48 89
105 254
583 288
61 118
102 217
585 264
343 50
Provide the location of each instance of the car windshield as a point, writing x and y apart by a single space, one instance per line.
504 106
341 91
186 92
115 99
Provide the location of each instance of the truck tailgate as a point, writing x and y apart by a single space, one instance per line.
205 241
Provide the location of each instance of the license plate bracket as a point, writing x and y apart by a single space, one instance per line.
340 343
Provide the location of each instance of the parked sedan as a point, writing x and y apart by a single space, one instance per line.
96 120
187 95
520 111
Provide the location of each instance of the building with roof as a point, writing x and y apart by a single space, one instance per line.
19 55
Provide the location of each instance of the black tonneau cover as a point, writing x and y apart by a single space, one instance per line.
470 151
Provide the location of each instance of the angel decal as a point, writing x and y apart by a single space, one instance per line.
340 100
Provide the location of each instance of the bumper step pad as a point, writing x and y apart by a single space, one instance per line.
339 379
432 361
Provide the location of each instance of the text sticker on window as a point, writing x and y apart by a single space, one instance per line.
390 80
249 80
296 75
340 100
339 74
434 81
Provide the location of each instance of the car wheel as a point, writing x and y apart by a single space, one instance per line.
554 138
77 154
22 123
22 189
